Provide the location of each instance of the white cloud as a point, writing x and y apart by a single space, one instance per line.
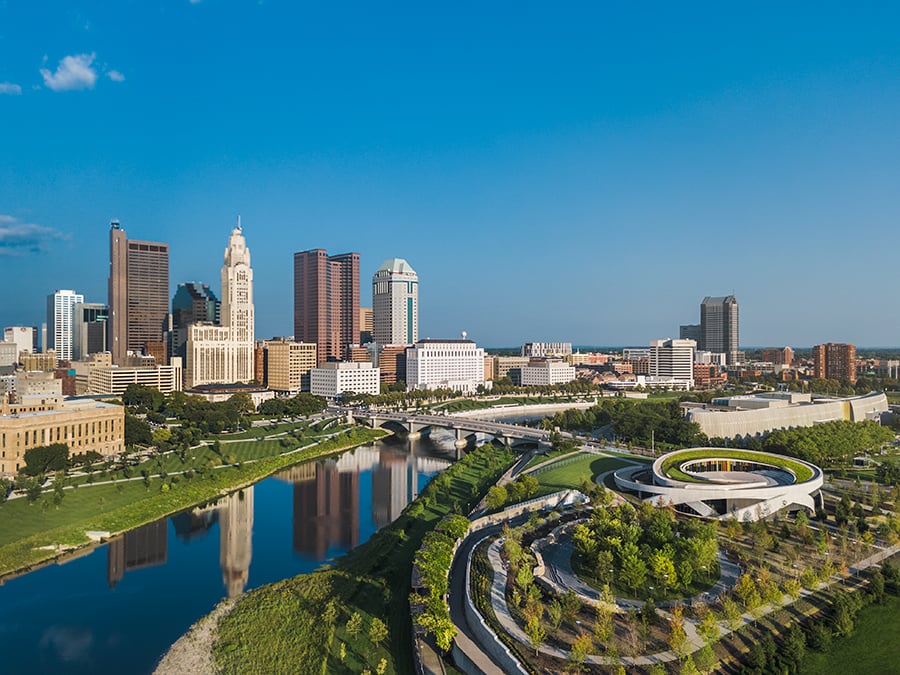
115 76
73 72
23 238
10 88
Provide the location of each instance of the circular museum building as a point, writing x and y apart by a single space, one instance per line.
724 482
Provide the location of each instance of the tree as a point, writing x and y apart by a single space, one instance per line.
732 614
377 631
579 651
46 459
137 431
706 659
677 635
708 628
496 497
555 614
534 629
632 569
354 624
746 590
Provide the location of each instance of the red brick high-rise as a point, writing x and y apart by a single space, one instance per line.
833 361
326 301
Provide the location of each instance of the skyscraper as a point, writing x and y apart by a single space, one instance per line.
719 326
61 322
138 292
192 303
395 303
90 328
224 354
326 301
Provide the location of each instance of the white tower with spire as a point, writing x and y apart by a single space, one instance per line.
224 354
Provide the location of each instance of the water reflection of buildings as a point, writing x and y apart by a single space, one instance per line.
146 546
195 524
236 539
326 495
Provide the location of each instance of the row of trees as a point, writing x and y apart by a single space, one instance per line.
638 422
433 560
632 545
829 442
522 488
301 405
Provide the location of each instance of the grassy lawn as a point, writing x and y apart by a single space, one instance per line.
573 475
872 648
26 527
553 454
288 626
670 466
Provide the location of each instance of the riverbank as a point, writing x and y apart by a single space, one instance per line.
306 624
115 508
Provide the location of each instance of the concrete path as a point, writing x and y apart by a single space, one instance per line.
694 641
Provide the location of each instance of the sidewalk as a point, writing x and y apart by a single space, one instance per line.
694 641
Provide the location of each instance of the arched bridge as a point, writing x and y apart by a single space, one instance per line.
466 429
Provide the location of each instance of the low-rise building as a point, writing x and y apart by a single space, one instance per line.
288 364
331 379
757 415
82 424
541 349
546 372
99 378
43 361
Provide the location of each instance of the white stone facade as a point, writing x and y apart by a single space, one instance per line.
224 354
115 379
545 372
445 364
672 361
332 379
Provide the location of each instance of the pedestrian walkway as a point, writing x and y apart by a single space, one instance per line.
694 641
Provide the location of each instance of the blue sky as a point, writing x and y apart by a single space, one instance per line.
584 172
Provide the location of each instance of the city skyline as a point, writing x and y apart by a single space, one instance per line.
583 160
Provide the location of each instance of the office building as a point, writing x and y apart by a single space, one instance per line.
109 379
25 338
138 293
395 303
326 301
690 332
672 363
511 367
445 364
41 420
288 364
225 354
719 326
390 361
541 349
545 372
333 378
61 322
192 303
366 325
43 361
833 361
90 329
9 355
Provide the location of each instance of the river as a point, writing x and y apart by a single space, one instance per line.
118 607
